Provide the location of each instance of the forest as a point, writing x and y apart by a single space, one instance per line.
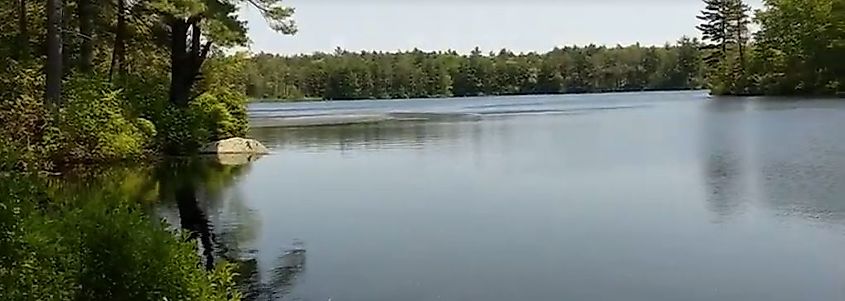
419 74
798 49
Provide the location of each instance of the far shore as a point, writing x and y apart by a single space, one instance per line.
318 99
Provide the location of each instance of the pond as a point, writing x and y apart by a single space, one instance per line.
632 196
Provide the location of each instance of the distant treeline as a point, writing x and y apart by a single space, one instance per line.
419 74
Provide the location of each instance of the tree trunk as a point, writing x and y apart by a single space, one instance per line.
67 41
119 50
23 32
178 66
86 12
54 52
185 61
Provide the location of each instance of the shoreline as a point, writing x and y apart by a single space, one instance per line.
317 99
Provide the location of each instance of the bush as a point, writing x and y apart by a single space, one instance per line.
224 101
206 119
181 135
98 248
220 112
27 135
90 126
95 128
211 116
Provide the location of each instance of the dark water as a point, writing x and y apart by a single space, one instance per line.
650 196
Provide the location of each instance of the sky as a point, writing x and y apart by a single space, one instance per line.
461 25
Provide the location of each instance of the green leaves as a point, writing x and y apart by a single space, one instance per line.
178 8
221 25
94 126
799 47
276 14
96 247
220 17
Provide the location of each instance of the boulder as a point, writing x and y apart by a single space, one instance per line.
234 146
233 159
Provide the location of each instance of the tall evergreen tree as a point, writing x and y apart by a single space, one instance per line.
194 26
738 21
714 29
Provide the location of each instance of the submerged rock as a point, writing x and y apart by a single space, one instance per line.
233 159
234 146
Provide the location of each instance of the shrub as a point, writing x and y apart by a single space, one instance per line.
95 128
27 134
225 84
90 126
213 115
221 112
97 248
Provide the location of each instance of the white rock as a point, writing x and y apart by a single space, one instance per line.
234 146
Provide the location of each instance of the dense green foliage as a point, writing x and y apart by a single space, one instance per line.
94 81
350 75
798 49
127 69
59 246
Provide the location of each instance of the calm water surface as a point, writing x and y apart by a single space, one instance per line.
644 196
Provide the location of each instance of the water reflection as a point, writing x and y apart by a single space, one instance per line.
724 195
210 207
200 196
364 136
131 183
781 155
724 149
285 270
179 182
800 150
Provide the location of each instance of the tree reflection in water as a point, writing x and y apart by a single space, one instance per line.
211 210
282 277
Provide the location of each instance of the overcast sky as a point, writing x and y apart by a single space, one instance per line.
522 26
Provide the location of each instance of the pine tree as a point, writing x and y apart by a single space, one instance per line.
738 20
194 26
714 28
